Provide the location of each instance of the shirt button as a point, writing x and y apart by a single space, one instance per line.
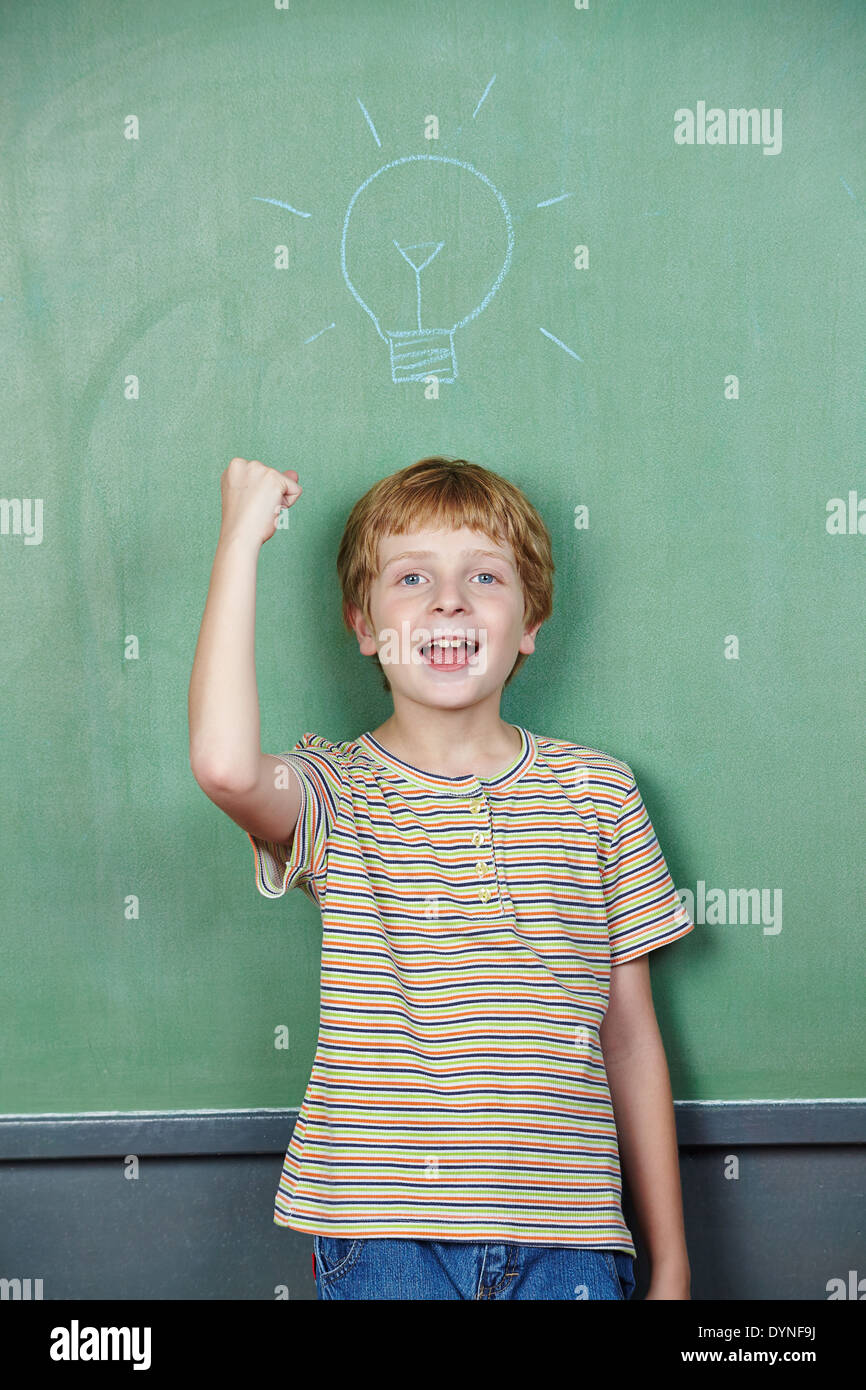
478 838
484 894
481 867
476 806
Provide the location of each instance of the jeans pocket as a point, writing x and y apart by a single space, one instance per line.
621 1266
335 1254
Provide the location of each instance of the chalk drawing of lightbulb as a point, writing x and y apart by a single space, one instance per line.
425 214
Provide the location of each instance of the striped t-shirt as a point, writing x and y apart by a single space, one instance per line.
458 1089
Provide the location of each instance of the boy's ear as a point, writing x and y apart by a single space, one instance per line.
363 630
527 641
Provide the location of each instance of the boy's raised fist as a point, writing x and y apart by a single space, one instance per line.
253 496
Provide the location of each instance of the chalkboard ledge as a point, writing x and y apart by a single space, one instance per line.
112 1134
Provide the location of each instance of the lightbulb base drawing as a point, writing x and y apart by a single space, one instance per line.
419 353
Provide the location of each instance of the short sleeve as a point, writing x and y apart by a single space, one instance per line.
644 910
318 767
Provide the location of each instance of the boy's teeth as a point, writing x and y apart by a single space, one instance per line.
455 647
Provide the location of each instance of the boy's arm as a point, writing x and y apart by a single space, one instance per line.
224 748
252 787
640 1091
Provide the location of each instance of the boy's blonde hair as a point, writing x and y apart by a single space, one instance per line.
446 494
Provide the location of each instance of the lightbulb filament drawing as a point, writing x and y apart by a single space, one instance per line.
434 354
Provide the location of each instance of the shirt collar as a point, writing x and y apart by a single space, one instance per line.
457 786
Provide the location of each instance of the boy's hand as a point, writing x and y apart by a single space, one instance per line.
670 1286
253 496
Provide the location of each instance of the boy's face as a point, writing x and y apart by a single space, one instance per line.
431 585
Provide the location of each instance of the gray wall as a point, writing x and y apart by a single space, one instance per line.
196 1222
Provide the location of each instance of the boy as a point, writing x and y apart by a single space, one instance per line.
488 898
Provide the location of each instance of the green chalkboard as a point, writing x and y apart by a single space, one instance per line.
544 237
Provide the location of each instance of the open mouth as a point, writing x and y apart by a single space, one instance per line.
448 653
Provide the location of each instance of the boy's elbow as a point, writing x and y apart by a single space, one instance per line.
212 777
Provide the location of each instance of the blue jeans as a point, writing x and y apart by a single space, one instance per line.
432 1269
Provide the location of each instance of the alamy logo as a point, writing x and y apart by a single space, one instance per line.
719 907
22 1289
737 126
22 516
76 1343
